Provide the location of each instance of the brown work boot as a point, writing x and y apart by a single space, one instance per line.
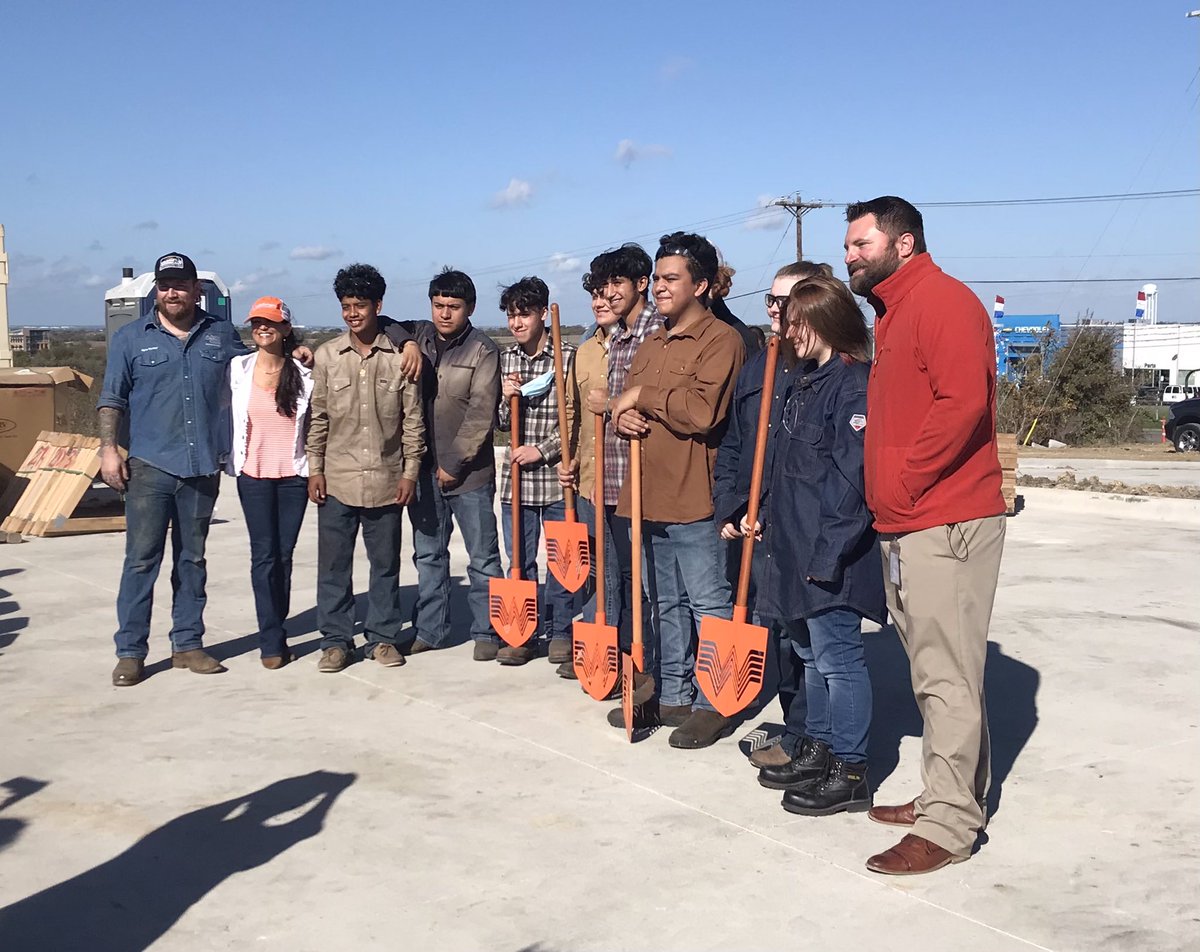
566 670
333 660
645 716
387 655
560 650
703 729
275 662
912 856
198 661
128 672
418 646
773 755
903 815
522 654
485 651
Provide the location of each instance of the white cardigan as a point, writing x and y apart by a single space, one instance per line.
241 379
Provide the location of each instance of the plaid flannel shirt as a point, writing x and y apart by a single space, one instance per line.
539 425
624 345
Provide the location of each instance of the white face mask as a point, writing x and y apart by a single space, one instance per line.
538 385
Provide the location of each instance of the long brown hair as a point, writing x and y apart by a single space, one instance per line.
825 306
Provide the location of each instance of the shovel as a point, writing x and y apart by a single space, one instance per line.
731 655
594 649
512 602
636 656
567 554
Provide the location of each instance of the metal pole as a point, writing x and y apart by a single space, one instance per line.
799 228
6 358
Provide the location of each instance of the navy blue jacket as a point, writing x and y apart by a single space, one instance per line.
818 530
735 456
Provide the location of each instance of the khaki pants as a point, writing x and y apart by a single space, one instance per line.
941 608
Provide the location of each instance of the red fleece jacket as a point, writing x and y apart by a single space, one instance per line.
931 456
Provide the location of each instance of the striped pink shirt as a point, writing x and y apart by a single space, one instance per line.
270 438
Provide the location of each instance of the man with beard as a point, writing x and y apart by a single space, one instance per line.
169 375
933 483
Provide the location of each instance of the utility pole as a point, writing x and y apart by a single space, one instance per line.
6 359
798 209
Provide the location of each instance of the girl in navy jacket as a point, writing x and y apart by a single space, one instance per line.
817 529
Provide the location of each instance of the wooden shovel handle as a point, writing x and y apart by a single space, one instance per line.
514 570
599 554
560 391
635 476
756 473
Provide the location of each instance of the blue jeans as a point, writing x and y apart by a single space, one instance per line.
557 609
836 681
687 575
430 515
784 660
337 530
155 500
274 511
618 580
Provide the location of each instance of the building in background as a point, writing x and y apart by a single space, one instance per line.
1021 338
29 340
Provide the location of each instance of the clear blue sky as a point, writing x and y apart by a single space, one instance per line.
274 142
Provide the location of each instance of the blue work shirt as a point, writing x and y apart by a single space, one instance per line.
174 393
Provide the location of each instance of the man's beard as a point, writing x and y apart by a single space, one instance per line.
864 280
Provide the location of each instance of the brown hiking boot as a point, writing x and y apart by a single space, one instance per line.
275 662
773 755
485 651
523 654
702 729
560 650
387 655
333 660
128 672
418 646
198 661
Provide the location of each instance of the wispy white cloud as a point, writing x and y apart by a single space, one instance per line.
313 253
675 67
19 260
95 246
769 217
560 263
149 225
629 152
256 279
95 281
517 192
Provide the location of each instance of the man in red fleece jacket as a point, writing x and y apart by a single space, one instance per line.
933 482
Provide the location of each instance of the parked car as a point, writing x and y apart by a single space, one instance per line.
1177 392
1182 425
1146 396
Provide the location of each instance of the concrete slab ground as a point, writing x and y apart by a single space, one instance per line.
455 805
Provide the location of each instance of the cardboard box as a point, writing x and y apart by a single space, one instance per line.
32 399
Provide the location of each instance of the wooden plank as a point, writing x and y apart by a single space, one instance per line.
81 525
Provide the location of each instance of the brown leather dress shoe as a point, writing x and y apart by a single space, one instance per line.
275 662
128 672
912 856
773 755
198 661
903 815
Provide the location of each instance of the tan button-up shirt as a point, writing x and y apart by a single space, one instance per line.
589 371
687 381
367 431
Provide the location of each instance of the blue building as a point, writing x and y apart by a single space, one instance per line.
1020 337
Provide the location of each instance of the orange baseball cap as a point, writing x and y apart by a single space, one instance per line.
270 309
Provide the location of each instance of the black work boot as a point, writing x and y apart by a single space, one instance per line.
812 757
844 787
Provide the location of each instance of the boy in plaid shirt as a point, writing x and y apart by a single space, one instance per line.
539 448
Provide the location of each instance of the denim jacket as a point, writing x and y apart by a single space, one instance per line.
818 528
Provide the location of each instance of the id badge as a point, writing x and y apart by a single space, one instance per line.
894 562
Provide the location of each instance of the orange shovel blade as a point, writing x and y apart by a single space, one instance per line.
627 694
596 657
512 607
567 554
730 659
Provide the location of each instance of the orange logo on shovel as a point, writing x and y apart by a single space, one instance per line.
513 609
596 658
731 658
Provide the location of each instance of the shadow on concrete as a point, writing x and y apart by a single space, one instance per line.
18 789
1011 687
129 902
10 627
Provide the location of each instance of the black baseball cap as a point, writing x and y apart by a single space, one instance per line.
174 265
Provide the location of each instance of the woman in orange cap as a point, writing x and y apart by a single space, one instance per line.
270 394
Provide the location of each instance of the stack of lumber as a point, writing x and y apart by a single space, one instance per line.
1007 443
